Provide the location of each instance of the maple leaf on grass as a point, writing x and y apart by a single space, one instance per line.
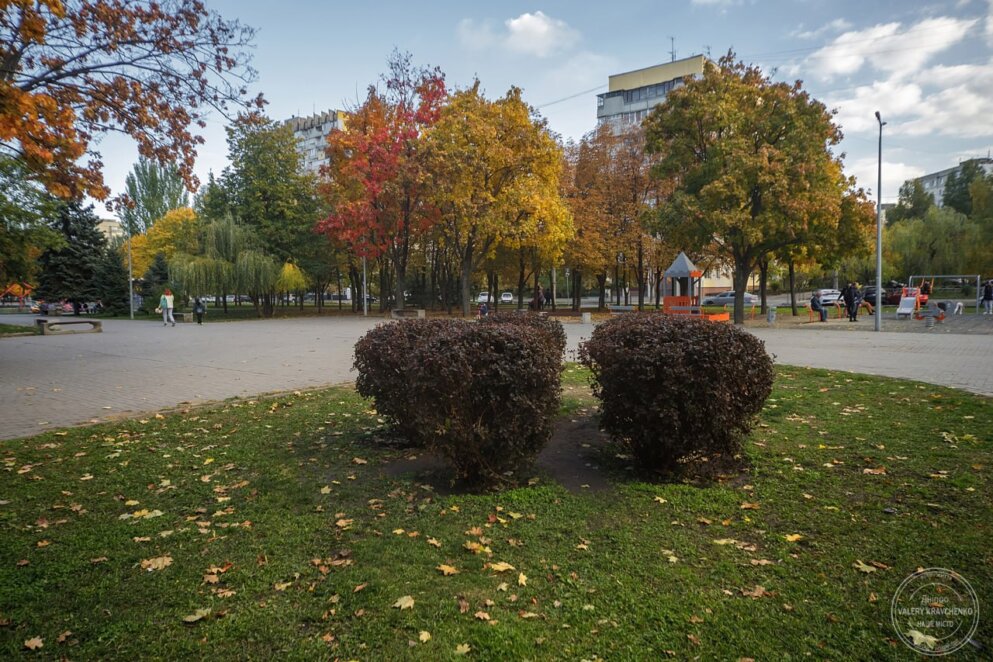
463 649
447 570
197 616
157 563
405 602
501 566
34 643
424 636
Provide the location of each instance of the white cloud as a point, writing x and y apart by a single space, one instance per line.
837 25
937 101
887 47
534 34
866 173
989 24
539 34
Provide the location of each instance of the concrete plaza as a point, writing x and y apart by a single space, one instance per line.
136 367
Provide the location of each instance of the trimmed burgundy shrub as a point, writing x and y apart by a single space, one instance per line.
483 396
676 390
534 321
487 396
382 359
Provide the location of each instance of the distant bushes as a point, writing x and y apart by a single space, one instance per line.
483 396
676 390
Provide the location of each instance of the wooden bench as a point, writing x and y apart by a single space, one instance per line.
408 313
615 310
50 328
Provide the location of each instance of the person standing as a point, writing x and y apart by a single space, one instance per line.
199 309
166 304
848 295
988 298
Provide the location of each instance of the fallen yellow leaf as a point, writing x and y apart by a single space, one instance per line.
424 636
793 537
447 570
522 579
501 566
405 602
157 563
198 615
34 643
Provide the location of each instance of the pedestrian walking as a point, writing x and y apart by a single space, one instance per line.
988 298
199 309
166 304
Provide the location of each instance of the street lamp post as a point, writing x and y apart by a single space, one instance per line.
130 276
879 231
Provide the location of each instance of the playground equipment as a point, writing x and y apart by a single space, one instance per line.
923 292
20 290
683 290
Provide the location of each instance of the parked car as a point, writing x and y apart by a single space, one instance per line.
828 297
483 297
507 297
728 298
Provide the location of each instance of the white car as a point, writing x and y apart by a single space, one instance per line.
727 298
828 297
507 297
483 297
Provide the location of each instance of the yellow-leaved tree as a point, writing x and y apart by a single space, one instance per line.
495 170
176 232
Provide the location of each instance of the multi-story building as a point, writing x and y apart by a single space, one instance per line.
111 228
934 183
312 136
630 96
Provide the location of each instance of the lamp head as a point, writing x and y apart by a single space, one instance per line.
878 118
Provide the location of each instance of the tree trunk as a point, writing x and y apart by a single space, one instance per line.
793 288
617 285
763 282
521 280
742 270
641 277
658 287
601 279
551 275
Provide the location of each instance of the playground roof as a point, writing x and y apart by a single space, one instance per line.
682 267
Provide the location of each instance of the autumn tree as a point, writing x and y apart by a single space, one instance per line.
175 232
378 179
748 160
956 194
495 171
72 70
70 272
152 190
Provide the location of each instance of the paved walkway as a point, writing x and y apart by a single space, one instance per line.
141 366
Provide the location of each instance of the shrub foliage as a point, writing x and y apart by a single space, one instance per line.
676 390
483 396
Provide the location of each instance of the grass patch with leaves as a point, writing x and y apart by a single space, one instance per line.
270 529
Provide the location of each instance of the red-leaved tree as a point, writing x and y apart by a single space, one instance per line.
377 178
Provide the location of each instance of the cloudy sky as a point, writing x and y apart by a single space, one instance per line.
926 66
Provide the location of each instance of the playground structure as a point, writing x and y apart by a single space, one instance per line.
20 290
683 291
915 301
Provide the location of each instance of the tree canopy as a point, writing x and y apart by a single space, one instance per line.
749 164
71 70
152 190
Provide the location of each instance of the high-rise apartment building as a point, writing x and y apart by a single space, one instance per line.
632 95
312 136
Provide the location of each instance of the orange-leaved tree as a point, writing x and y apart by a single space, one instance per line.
377 178
73 69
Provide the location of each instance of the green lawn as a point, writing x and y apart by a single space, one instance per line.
284 519
11 329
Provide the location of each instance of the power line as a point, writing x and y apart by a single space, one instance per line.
572 96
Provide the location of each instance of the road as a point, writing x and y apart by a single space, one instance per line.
140 366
